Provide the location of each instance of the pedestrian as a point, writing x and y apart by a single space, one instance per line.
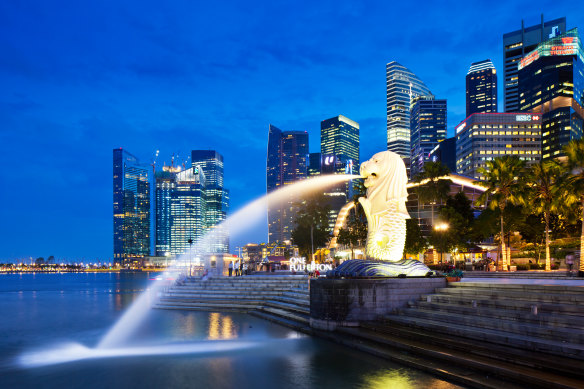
570 262
230 268
240 268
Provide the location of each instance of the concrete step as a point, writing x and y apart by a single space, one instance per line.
572 309
569 289
556 364
493 336
304 310
505 374
298 317
520 314
210 307
241 287
226 291
298 326
292 300
518 295
504 325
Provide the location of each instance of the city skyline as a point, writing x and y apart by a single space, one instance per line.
74 90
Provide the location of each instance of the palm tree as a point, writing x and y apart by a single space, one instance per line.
503 178
575 178
544 195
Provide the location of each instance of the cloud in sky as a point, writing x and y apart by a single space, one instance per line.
79 79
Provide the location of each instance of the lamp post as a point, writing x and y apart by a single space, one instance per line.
441 227
190 254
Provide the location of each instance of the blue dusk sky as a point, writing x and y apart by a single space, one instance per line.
79 78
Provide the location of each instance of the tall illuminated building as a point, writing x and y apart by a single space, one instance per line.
551 82
402 86
482 137
481 88
516 45
165 184
428 128
340 136
314 164
339 149
188 207
217 197
286 163
131 208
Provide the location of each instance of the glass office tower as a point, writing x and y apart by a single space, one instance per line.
211 162
428 126
188 207
402 87
286 163
516 45
481 137
131 208
165 184
551 82
481 88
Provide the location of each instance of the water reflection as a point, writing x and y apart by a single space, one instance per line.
400 379
221 327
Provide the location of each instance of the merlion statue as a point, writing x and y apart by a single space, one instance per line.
385 207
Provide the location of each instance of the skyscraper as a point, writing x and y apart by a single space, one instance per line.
551 82
188 207
286 163
516 45
314 164
131 208
481 88
340 136
165 184
402 86
339 149
217 197
428 128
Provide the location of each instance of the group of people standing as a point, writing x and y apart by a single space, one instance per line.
237 267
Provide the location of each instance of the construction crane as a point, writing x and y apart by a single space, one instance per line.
153 164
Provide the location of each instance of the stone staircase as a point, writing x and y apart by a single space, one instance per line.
514 333
281 299
532 274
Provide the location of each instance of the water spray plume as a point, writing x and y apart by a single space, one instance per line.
239 222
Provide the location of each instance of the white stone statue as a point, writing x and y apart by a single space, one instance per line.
385 206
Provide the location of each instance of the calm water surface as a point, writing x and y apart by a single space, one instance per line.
43 311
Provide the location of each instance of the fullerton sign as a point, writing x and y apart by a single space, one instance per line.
299 264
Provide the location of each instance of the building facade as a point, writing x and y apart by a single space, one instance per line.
287 159
217 197
165 185
551 82
402 85
314 164
428 128
481 88
484 137
339 136
445 153
516 45
188 207
131 208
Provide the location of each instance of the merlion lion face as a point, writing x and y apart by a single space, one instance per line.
374 170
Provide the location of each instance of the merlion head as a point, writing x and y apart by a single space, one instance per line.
385 179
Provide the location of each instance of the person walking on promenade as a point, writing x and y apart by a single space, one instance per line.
236 268
241 267
230 268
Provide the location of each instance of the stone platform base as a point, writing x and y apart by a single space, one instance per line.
346 302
